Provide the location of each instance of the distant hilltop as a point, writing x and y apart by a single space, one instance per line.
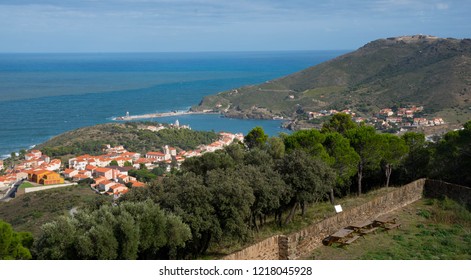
413 38
394 72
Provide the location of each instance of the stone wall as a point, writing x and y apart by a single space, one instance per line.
439 189
302 243
267 249
43 188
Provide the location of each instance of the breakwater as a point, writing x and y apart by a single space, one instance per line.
128 117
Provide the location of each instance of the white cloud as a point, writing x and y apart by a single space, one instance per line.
442 6
224 23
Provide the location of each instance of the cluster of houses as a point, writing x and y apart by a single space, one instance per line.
109 172
176 125
114 178
325 113
405 117
36 167
408 112
108 179
5 180
386 118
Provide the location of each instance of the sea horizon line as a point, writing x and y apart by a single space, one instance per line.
172 52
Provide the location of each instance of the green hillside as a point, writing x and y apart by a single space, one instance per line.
132 135
411 70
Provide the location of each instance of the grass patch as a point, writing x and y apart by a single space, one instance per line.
318 92
26 185
431 230
30 211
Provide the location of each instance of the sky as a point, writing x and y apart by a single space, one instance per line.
221 25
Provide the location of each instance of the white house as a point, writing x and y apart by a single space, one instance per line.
156 156
69 173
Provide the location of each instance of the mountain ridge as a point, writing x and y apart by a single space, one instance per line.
408 70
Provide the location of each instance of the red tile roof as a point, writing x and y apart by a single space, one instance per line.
106 182
155 154
90 167
143 160
102 169
100 179
80 176
138 184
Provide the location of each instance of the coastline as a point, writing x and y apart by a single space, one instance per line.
177 83
287 123
160 115
7 155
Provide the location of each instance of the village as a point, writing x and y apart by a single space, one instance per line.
387 118
108 173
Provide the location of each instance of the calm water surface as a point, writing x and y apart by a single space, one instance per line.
42 95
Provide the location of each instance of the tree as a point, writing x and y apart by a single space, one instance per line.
394 149
189 198
14 245
236 151
114 163
256 138
452 156
130 230
367 144
344 159
140 194
309 179
22 153
57 239
276 147
207 162
13 159
258 157
268 188
417 160
308 140
127 164
158 171
340 123
161 234
142 174
232 199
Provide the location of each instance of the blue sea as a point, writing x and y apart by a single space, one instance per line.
43 95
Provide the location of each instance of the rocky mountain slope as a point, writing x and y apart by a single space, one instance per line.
410 70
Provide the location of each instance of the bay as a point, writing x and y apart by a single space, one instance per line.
43 95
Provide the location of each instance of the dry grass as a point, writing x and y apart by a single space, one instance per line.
29 211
